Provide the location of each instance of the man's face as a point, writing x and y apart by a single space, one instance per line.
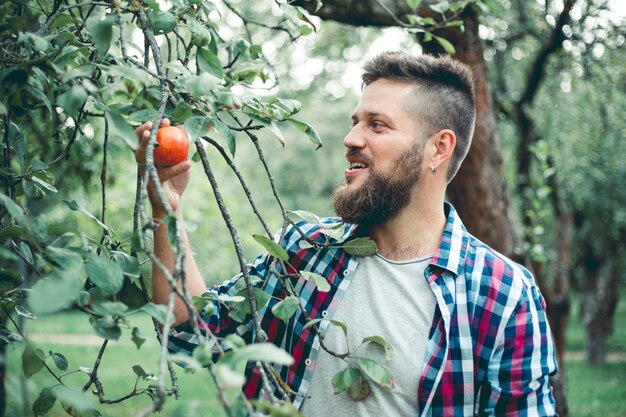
385 153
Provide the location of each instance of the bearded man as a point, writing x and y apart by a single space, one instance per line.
467 325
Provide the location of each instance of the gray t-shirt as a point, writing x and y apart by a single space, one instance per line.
389 299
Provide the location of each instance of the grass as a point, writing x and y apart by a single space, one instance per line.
591 391
115 371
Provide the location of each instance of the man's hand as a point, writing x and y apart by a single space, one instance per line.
173 179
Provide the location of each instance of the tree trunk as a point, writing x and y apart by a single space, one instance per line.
598 303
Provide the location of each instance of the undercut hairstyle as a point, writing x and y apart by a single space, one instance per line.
444 95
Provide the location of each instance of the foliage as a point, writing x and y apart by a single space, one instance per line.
75 79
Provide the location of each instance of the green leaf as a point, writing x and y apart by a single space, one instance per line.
27 253
377 372
24 312
9 280
277 132
56 290
208 62
107 328
413 4
264 352
203 353
119 128
14 209
230 375
40 95
200 85
78 401
74 206
32 361
136 337
440 7
66 258
303 244
171 221
59 360
343 379
102 33
200 35
337 323
378 340
129 265
359 389
47 188
44 402
158 311
308 130
18 140
72 100
143 374
445 44
114 308
420 21
190 364
162 22
363 246
273 248
286 409
198 126
286 308
308 217
105 274
240 311
320 282
228 136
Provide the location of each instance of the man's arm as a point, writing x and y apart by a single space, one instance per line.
174 180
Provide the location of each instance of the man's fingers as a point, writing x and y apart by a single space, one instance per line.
143 133
166 173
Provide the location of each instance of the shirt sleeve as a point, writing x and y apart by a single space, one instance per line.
215 317
518 377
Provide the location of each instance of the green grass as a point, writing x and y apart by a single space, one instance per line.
596 391
115 371
591 391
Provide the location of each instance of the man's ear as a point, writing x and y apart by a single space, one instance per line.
442 145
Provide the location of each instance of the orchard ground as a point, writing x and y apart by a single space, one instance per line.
591 391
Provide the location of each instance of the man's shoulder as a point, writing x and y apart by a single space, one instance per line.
320 230
496 266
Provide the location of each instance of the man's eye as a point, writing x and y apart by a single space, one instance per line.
377 125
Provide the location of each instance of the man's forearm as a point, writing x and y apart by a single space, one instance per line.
160 286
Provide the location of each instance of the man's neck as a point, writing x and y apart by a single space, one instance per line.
414 232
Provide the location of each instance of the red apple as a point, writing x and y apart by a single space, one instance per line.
173 146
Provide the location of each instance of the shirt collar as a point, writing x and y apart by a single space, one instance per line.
452 250
453 245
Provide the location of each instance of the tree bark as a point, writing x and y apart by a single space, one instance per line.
598 303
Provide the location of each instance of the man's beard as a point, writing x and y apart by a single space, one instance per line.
382 196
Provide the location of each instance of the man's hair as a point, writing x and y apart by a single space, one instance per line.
444 95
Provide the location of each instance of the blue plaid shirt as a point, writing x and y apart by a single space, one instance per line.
490 350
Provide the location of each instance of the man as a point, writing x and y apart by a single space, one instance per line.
467 325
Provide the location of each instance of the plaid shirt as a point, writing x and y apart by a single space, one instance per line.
490 350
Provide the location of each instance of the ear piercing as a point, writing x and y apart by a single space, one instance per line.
433 169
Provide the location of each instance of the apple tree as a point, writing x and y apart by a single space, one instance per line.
75 78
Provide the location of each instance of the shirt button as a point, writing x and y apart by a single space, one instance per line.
308 362
325 313
346 273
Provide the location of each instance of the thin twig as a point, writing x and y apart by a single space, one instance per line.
245 187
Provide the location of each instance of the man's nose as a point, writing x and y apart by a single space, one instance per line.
354 138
